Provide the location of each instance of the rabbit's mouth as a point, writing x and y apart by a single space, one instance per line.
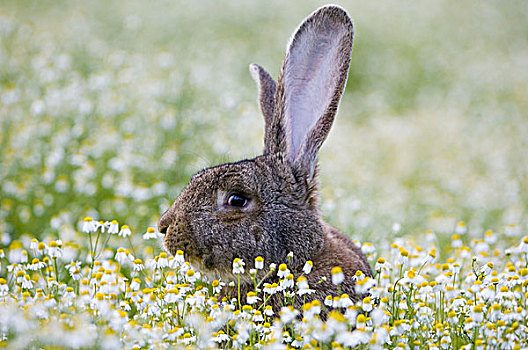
205 260
175 240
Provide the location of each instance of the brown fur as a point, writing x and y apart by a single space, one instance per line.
281 185
267 89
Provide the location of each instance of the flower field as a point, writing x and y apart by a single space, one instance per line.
59 294
107 110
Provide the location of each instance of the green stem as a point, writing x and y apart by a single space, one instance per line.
95 247
56 269
238 280
104 244
91 250
131 246
264 278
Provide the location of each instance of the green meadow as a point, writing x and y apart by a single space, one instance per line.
107 108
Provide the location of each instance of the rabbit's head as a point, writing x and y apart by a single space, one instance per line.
267 206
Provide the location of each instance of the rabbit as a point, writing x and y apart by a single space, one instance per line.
268 206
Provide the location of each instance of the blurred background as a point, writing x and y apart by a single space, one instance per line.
108 107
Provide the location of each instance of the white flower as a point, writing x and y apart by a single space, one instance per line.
303 287
461 228
430 236
412 278
4 288
23 256
108 277
512 230
287 282
431 256
34 244
73 266
486 269
151 234
36 264
54 249
135 284
179 259
27 283
337 275
380 264
124 305
288 314
523 247
68 293
268 310
307 268
488 293
138 265
172 296
162 261
100 225
89 225
379 317
345 301
286 337
367 304
252 298
298 342
456 242
403 258
150 263
76 274
359 336
257 317
259 263
217 286
238 266
368 248
121 256
221 337
125 231
270 288
302 283
113 227
364 285
283 271
174 333
191 276
477 314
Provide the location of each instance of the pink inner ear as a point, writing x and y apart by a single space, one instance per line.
311 71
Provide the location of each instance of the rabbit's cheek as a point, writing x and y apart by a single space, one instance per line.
257 233
209 262
217 258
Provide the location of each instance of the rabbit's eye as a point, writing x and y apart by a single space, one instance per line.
237 200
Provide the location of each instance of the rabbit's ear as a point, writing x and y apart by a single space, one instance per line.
267 88
310 85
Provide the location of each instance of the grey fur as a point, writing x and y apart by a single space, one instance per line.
267 88
281 185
